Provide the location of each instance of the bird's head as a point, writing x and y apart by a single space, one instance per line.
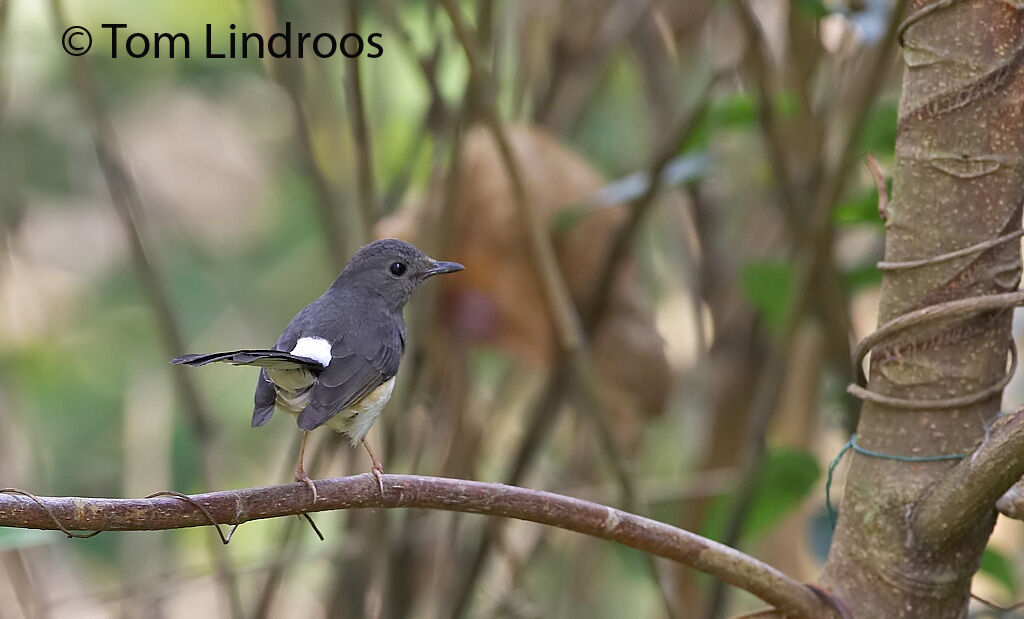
392 269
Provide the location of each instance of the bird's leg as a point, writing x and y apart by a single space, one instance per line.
300 473
377 470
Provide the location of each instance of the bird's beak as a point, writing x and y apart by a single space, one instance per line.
441 267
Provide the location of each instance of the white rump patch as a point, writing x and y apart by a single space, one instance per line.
316 348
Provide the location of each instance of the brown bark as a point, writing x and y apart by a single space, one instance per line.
910 534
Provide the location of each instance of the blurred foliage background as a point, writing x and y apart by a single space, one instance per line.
150 207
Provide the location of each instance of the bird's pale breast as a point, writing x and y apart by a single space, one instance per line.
356 420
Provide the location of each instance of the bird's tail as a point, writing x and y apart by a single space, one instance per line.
274 359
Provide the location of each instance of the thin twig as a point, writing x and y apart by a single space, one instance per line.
574 84
426 354
485 23
568 325
542 255
127 203
778 157
437 118
438 114
815 237
325 202
883 191
540 420
288 76
594 407
623 239
410 491
360 130
288 535
861 103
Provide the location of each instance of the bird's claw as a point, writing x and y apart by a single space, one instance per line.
301 476
378 473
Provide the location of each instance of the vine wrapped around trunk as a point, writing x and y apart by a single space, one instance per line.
911 534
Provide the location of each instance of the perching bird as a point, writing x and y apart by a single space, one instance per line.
336 361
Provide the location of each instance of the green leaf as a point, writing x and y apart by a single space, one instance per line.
999 568
812 8
879 132
786 478
767 286
862 209
734 110
862 276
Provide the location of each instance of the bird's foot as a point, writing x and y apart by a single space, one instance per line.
378 473
377 469
301 476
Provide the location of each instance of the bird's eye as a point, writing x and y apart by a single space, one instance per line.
397 269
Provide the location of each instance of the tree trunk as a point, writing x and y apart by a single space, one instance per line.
957 182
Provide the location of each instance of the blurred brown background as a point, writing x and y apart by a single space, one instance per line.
153 206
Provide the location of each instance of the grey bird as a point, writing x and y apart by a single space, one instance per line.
336 362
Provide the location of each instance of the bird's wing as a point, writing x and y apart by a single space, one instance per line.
264 400
351 375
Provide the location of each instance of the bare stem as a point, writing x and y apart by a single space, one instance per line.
341 239
360 129
127 203
411 491
623 239
542 255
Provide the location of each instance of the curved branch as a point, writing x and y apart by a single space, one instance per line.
970 490
360 491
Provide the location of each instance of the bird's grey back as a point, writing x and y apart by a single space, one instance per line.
351 318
